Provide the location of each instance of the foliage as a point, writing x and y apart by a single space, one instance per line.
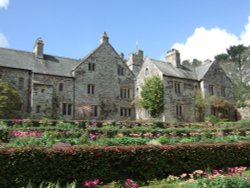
236 63
200 105
9 100
152 94
222 106
69 164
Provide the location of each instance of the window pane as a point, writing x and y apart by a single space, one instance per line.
96 111
60 86
64 108
69 109
20 83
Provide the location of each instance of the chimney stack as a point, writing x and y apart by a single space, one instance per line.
104 38
38 48
173 56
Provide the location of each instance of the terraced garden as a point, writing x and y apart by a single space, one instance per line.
128 154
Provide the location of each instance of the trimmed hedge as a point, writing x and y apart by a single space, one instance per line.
66 164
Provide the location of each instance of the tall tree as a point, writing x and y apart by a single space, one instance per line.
152 94
236 63
9 100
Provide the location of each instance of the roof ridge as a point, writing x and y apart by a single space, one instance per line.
30 52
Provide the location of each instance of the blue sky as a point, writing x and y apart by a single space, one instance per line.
72 28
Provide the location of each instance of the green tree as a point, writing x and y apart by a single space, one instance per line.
9 100
152 94
236 63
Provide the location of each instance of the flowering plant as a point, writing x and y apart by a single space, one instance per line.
26 133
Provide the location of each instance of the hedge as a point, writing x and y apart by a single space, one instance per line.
66 164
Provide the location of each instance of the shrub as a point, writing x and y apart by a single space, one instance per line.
18 165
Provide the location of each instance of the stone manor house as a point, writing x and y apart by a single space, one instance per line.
103 85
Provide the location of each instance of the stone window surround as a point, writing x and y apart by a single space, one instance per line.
177 87
94 111
125 112
60 86
179 110
223 91
120 70
125 93
67 109
211 89
91 89
91 66
20 83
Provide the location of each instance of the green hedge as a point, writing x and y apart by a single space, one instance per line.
19 165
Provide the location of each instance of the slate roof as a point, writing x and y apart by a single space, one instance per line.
52 65
182 72
61 66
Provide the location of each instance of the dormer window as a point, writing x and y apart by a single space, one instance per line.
91 66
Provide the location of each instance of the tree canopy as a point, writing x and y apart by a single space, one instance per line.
9 100
236 63
152 94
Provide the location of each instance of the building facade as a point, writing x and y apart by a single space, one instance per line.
103 85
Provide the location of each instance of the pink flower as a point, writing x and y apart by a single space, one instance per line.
91 183
87 183
128 182
134 185
95 182
105 186
93 136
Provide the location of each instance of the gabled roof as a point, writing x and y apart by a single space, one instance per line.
169 70
193 73
52 65
202 70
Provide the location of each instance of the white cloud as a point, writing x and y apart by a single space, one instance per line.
245 36
3 41
4 3
206 43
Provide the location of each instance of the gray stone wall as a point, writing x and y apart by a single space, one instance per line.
48 94
217 79
135 61
148 69
182 98
107 85
20 80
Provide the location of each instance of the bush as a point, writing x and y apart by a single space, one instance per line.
67 164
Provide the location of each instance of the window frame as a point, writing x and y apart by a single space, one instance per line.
91 67
60 86
20 83
177 87
91 89
179 110
211 90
